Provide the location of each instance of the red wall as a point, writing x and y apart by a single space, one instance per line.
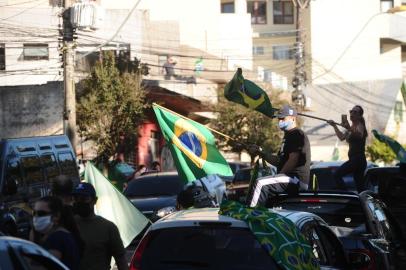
144 157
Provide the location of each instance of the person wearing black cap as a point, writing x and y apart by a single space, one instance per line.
292 162
356 135
101 237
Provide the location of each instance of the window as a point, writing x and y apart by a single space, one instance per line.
227 7
36 52
282 52
68 164
283 12
258 50
13 172
386 4
399 111
32 169
258 11
2 57
50 166
154 145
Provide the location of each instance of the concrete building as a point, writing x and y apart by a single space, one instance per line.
356 56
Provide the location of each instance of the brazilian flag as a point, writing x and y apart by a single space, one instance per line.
192 146
400 152
278 236
248 94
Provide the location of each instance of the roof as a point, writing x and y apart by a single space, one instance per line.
194 217
329 101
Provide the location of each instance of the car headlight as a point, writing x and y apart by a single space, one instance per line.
165 211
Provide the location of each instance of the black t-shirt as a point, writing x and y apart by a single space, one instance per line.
65 243
296 141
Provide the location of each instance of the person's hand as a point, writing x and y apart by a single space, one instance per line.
254 149
331 123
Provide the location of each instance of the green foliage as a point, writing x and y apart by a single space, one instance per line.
379 151
246 126
110 104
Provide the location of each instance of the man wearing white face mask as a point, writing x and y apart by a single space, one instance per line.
292 161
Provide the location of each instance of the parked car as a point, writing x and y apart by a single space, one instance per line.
237 189
28 167
20 254
203 239
360 221
153 192
321 176
390 184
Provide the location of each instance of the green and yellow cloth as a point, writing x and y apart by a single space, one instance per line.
278 235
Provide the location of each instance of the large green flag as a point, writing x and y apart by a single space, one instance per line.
192 146
400 152
248 94
278 236
114 206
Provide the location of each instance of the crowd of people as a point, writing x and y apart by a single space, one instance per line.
65 224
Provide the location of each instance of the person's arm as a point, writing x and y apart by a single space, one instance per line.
291 163
256 150
121 262
342 136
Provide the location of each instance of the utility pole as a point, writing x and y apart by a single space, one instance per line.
299 79
68 71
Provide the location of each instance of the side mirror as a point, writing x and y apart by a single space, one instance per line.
359 260
10 187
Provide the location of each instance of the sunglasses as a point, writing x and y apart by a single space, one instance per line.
41 213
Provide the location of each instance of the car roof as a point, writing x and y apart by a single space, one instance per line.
327 164
158 174
201 216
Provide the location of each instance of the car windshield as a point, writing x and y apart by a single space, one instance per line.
325 178
340 212
153 185
205 248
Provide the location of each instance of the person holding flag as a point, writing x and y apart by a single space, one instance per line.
292 161
356 135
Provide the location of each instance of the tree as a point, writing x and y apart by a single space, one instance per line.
247 127
109 106
379 151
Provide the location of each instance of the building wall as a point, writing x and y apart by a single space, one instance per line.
353 54
395 128
31 110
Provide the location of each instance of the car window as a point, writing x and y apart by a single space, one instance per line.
50 166
152 185
32 169
205 248
68 164
345 212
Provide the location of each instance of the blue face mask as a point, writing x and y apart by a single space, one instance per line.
285 125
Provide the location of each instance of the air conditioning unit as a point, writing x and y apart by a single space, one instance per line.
86 15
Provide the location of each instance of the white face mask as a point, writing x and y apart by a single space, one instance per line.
42 224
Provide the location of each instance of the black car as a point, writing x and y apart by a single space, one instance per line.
362 222
321 176
155 194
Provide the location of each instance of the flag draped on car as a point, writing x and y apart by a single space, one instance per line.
277 235
400 152
114 206
192 146
248 94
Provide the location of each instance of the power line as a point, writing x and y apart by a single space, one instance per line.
23 11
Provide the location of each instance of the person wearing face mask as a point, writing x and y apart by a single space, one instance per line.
292 162
101 237
356 135
55 229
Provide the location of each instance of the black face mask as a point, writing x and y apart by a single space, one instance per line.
83 209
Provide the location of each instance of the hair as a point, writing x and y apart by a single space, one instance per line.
66 218
362 119
185 198
62 186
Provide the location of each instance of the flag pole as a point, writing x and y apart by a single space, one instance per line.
318 118
184 117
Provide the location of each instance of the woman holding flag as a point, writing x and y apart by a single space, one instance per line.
355 135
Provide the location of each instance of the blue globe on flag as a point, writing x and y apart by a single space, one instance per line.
192 142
